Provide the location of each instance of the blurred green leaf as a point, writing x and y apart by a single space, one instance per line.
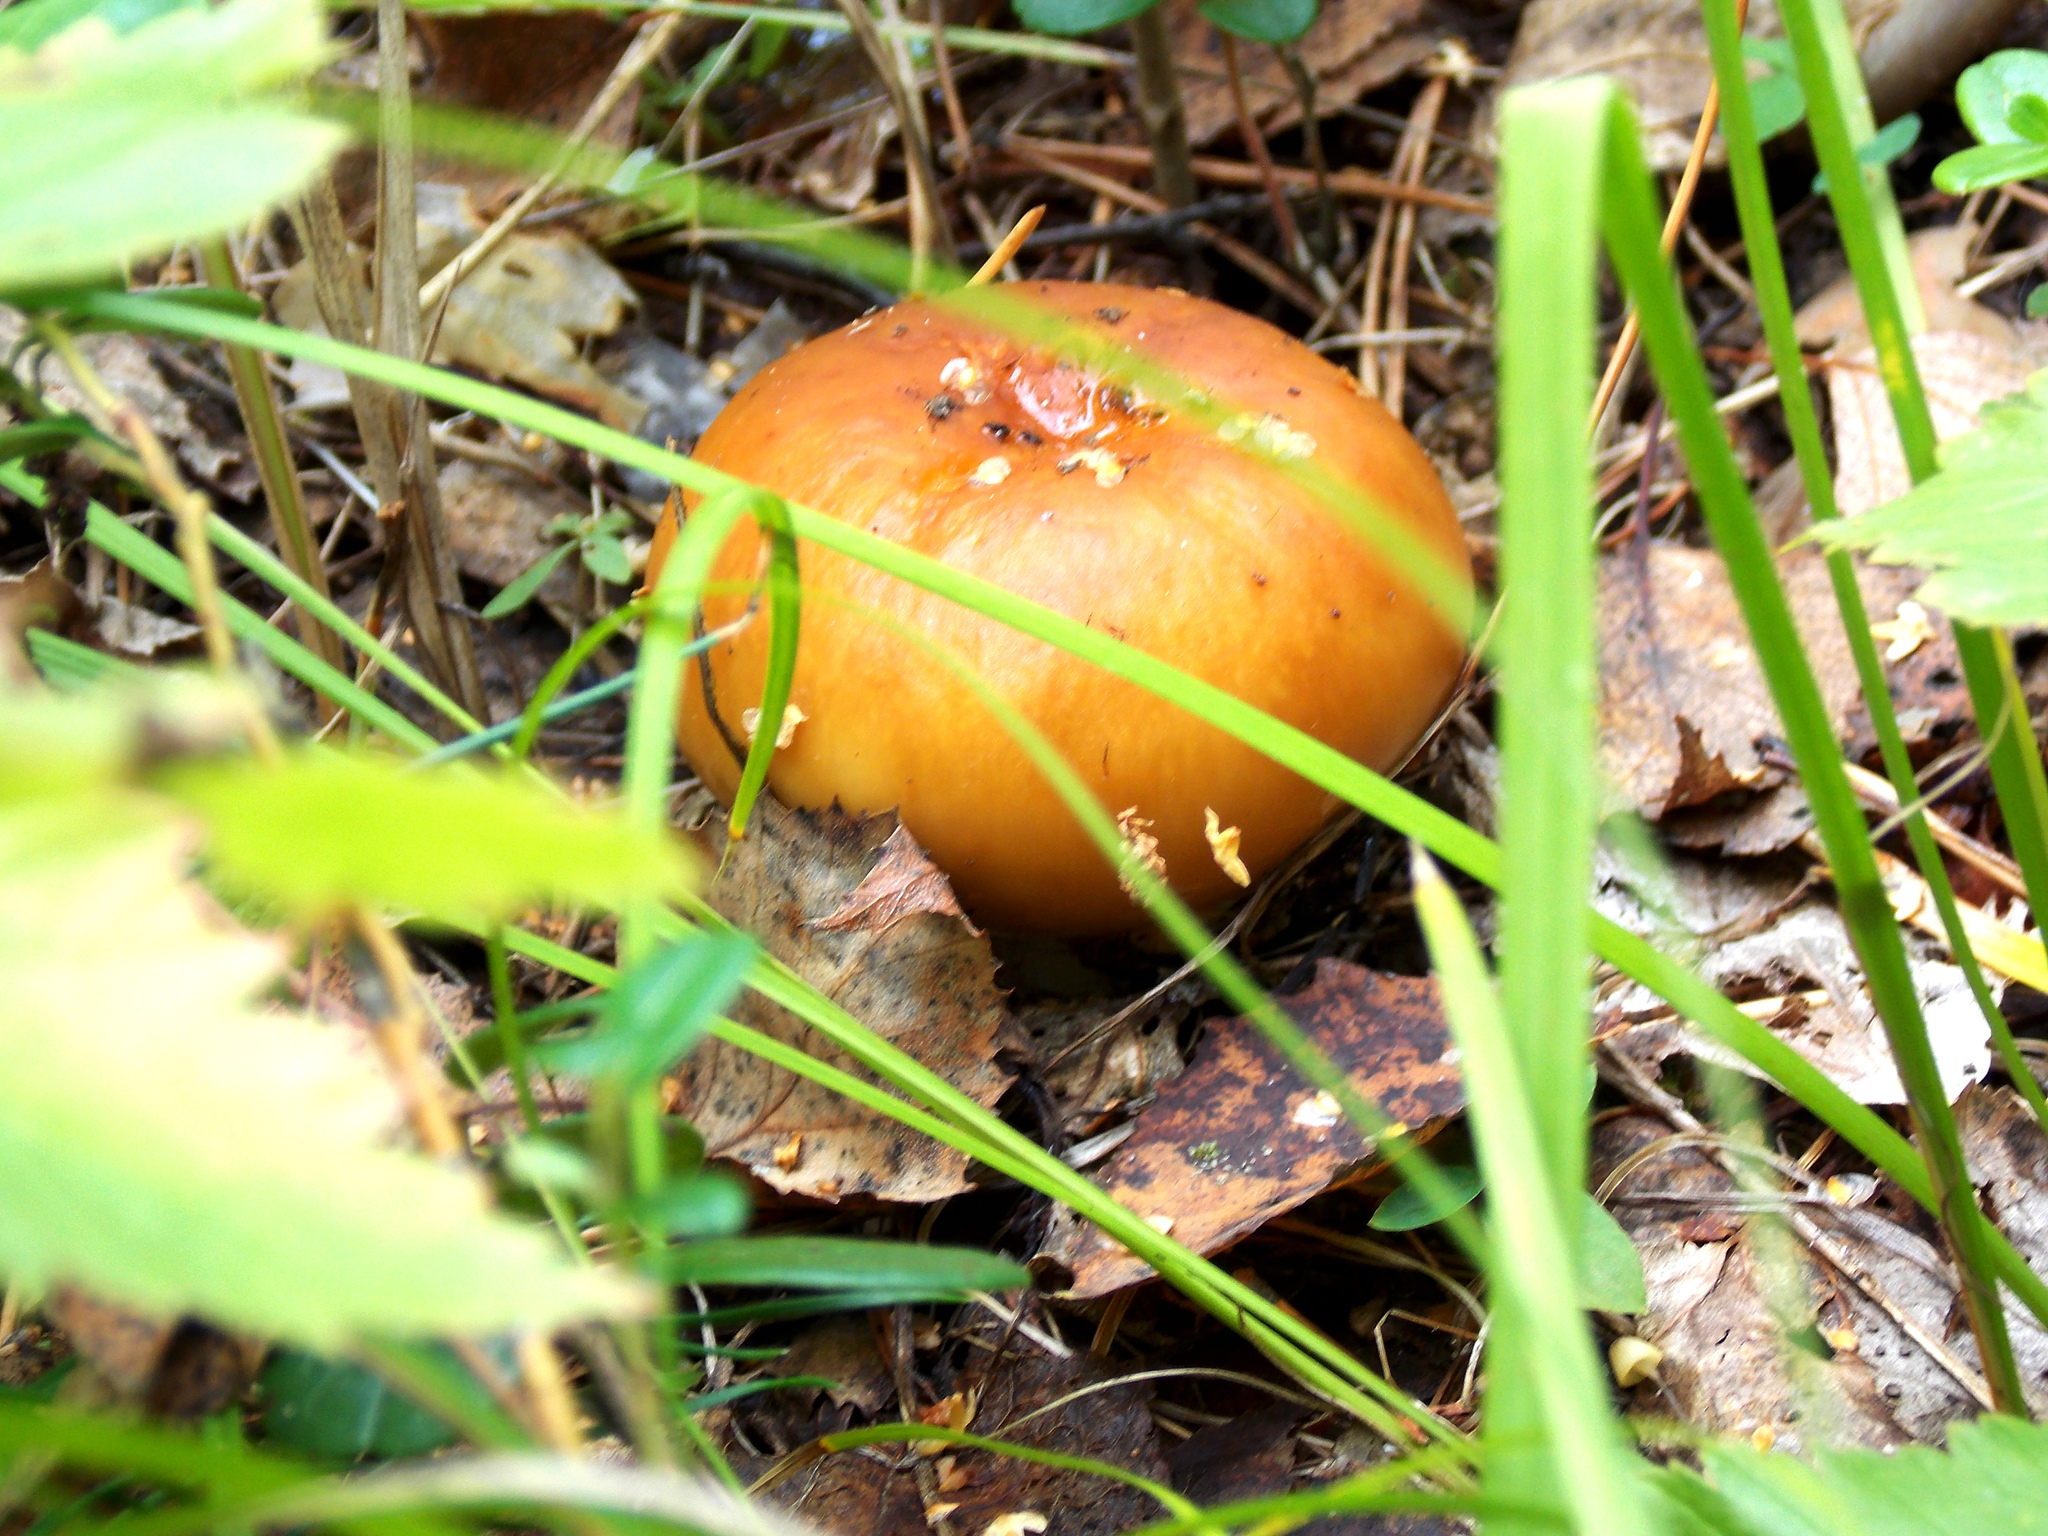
169 1145
325 829
520 592
2037 302
1610 1269
606 559
827 1263
1775 98
2028 116
1987 91
1262 21
695 1206
31 23
1882 147
118 145
659 1009
1408 1207
1065 18
336 1410
1979 524
1990 165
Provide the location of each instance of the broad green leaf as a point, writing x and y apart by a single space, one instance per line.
824 1263
2037 302
606 559
1988 89
325 829
64 746
167 1144
1065 18
118 145
1263 21
2028 116
520 592
1990 165
1775 98
1408 1207
1610 1269
1980 524
336 1410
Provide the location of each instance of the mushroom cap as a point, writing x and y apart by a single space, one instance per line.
936 431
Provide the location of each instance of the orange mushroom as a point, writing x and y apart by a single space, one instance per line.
936 431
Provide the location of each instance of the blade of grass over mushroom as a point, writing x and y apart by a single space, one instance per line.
1774 304
1839 116
1446 837
161 569
1630 221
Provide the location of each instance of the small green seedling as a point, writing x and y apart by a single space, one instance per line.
597 540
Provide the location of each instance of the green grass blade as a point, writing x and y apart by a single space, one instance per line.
161 569
1839 115
785 605
1547 1428
1774 303
1631 224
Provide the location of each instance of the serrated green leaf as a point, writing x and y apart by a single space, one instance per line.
826 1263
1986 91
167 1145
1262 21
522 587
324 830
1610 1269
1068 18
118 145
336 1410
1990 165
1408 1208
1980 524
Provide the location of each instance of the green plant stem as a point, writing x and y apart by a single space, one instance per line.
1443 835
1802 422
1631 227
1838 114
517 1061
1161 107
274 465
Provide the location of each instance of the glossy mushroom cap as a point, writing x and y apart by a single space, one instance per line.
938 432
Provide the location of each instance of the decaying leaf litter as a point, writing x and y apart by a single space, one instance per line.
1113 1054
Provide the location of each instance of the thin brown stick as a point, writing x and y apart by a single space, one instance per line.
1007 247
1429 105
1371 305
400 1034
1674 221
1258 266
1344 182
1255 146
949 92
928 232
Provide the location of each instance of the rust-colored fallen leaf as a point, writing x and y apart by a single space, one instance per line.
1239 1138
921 979
902 884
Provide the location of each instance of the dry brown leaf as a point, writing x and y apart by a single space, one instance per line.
918 978
1725 1364
1354 46
902 884
179 1369
1239 1138
1686 719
